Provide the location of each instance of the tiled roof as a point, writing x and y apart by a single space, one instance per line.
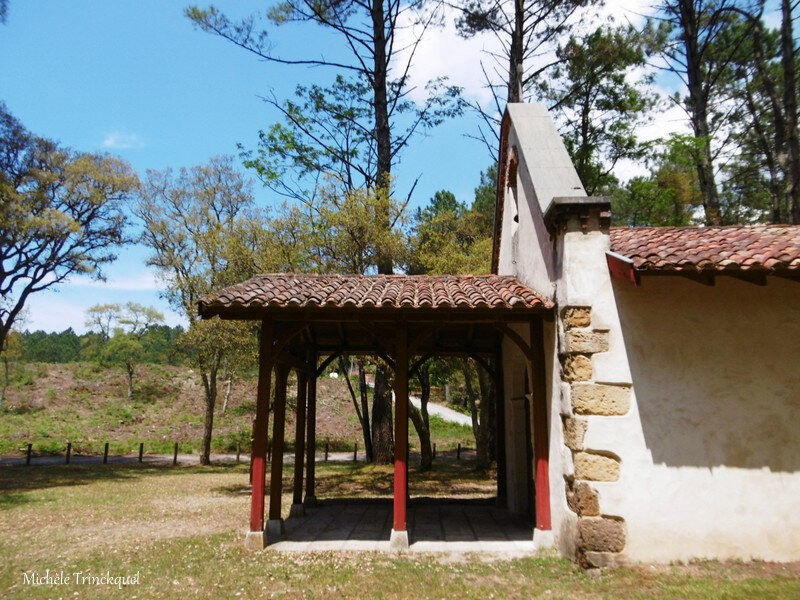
770 248
281 290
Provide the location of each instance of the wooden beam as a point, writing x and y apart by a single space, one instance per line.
311 431
321 369
412 371
400 429
516 338
500 420
621 268
422 336
278 430
261 427
293 361
299 438
541 441
287 335
483 363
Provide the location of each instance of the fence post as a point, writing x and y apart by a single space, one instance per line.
434 450
175 455
28 457
355 452
141 451
458 452
69 452
326 450
238 451
105 454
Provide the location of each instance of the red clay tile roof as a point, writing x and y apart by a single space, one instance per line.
492 292
762 248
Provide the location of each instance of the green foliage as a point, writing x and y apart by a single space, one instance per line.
600 105
61 213
449 238
670 195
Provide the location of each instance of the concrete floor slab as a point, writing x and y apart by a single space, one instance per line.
434 525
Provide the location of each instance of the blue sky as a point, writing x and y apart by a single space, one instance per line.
136 79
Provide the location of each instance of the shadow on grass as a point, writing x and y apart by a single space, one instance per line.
18 479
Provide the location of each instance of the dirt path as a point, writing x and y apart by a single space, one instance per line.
448 414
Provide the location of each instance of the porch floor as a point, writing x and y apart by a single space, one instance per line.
434 525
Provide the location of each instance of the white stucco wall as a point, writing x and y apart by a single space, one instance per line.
710 449
545 171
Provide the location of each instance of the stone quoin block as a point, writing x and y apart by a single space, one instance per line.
581 341
577 367
598 399
577 316
600 534
583 500
574 432
596 467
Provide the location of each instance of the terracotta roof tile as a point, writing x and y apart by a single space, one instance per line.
492 292
753 247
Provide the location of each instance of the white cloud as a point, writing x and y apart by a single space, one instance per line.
120 140
143 282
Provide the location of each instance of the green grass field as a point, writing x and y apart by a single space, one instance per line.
181 530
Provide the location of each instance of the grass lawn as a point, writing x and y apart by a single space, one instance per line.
182 530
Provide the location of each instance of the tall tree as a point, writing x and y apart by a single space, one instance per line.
353 125
699 51
61 214
527 31
599 104
129 324
196 225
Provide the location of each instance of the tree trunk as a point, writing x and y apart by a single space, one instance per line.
698 108
228 386
129 370
382 434
364 393
363 416
424 377
424 433
790 110
478 426
210 387
515 55
383 132
5 383
487 402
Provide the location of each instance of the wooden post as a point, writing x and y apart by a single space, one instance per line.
299 442
105 454
311 432
500 418
258 453
399 534
278 429
327 447
69 451
541 444
434 450
175 455
355 451
458 452
28 455
141 451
